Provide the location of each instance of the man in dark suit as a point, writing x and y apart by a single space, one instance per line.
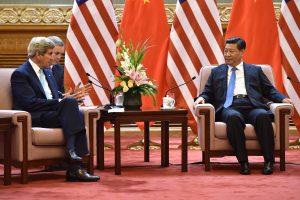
58 72
34 90
237 91
57 69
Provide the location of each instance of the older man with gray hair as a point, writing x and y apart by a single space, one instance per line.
57 69
35 91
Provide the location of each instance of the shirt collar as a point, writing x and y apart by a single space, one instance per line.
35 67
238 67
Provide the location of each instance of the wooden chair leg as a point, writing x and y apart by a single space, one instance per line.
24 173
282 160
207 161
90 165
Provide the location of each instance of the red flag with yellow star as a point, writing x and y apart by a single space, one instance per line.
146 20
255 22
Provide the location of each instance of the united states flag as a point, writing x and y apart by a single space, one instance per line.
90 47
289 36
196 40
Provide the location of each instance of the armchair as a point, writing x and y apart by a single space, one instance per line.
35 146
213 137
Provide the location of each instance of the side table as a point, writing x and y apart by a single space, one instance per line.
146 116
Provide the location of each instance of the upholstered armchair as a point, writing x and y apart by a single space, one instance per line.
213 137
35 146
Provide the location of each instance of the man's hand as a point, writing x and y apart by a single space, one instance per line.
287 100
200 100
84 90
79 92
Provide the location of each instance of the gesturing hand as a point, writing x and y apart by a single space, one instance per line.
79 92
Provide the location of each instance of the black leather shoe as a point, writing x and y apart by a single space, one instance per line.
268 168
80 175
245 169
72 156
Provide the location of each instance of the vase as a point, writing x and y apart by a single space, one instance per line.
131 100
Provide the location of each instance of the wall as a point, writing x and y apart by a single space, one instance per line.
20 22
71 1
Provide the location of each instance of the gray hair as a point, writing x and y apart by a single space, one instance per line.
57 41
39 44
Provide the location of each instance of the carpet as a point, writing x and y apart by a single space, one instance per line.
140 180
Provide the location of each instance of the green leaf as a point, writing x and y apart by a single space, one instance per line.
120 70
130 46
136 55
151 95
117 89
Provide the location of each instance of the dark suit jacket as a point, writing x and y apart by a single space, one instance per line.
28 93
257 84
58 73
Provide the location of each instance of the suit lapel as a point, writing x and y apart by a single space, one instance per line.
223 76
51 83
49 78
247 71
55 73
223 73
34 77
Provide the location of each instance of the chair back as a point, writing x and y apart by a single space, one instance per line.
5 88
206 70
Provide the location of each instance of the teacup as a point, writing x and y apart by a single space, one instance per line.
168 102
119 100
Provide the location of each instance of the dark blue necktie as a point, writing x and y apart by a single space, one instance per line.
230 89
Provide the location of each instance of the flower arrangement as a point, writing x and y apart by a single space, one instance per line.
132 75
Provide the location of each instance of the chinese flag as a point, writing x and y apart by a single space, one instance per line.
142 20
254 21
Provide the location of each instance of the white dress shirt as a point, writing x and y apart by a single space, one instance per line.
36 69
240 87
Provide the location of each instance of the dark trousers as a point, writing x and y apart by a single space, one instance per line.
71 120
237 116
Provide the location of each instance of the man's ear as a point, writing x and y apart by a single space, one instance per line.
37 53
242 52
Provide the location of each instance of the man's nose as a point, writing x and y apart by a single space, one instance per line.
227 54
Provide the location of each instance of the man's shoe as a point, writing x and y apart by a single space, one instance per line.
245 169
268 168
80 175
72 156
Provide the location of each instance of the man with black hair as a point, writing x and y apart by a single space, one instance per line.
237 90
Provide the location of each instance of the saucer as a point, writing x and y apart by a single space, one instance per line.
162 108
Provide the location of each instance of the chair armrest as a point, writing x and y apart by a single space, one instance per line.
90 111
206 124
282 112
91 115
201 109
89 108
15 115
287 108
21 133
